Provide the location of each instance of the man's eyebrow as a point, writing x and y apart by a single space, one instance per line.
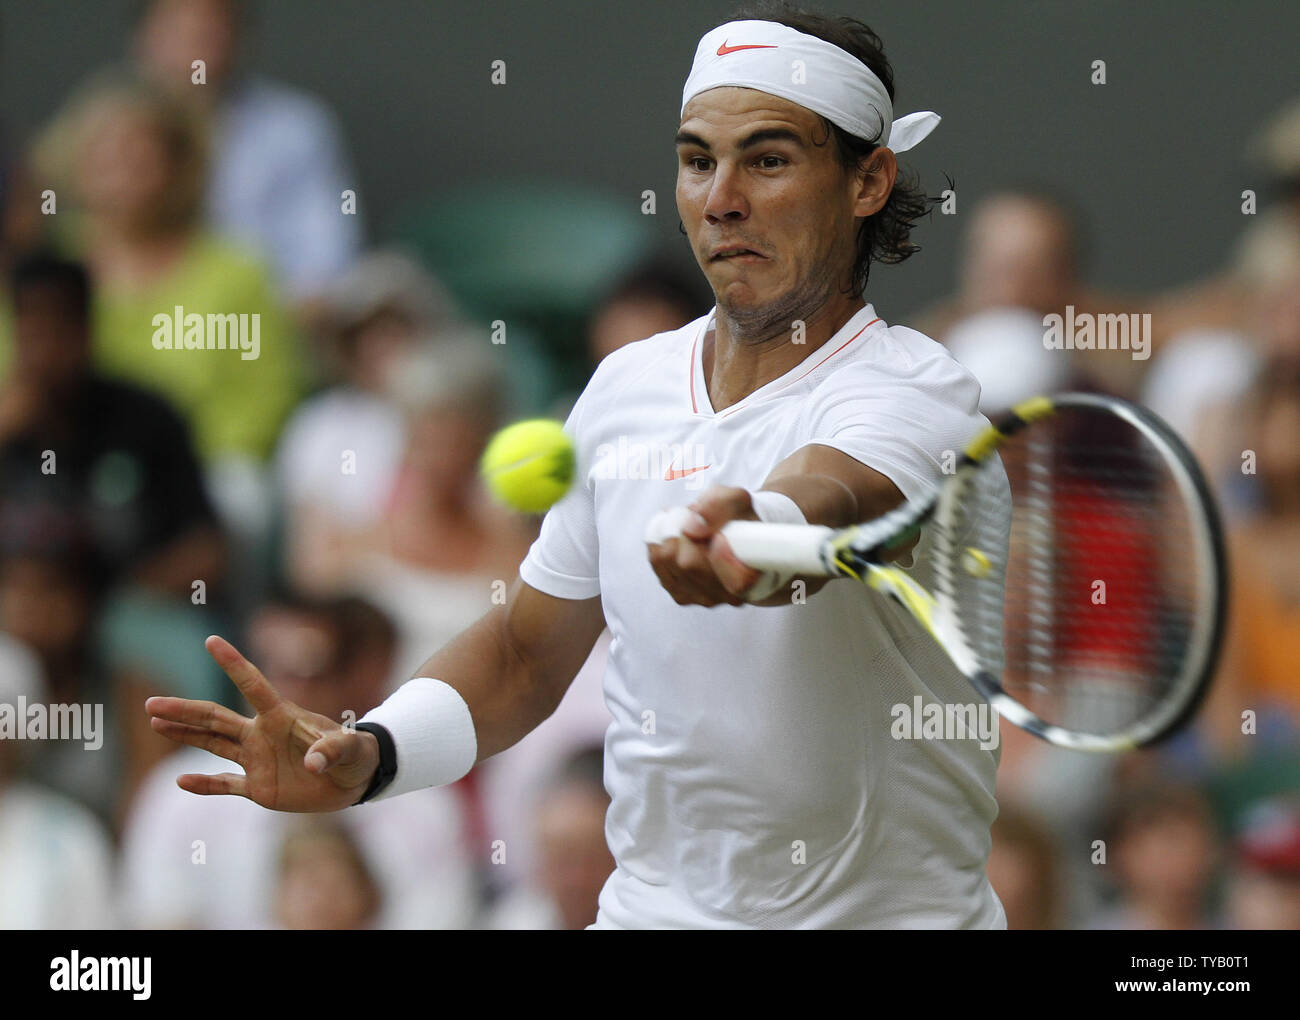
757 138
687 138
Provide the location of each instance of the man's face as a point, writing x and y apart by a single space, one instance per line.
750 176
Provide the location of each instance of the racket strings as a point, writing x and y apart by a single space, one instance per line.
1087 607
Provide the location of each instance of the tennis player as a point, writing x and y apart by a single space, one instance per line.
754 779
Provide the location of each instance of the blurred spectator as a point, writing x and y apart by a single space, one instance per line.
1162 847
1024 249
442 554
213 862
20 218
100 497
1264 888
1065 791
279 168
653 299
339 454
1215 304
133 160
1258 672
1020 249
1024 872
324 881
1003 348
47 601
81 454
573 858
512 780
55 857
1201 379
149 646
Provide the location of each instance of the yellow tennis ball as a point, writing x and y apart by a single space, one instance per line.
529 465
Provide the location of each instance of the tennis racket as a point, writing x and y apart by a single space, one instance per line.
1089 609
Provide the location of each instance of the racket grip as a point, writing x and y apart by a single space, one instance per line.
784 548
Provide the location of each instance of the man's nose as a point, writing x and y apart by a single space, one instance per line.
727 199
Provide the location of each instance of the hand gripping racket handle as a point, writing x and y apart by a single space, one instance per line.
782 548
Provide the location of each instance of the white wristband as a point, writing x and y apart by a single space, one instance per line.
773 508
776 508
433 733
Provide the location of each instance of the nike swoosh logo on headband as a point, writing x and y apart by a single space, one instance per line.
724 49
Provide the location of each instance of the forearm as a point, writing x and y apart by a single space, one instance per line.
508 696
832 489
820 498
488 687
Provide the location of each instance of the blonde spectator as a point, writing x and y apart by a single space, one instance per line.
279 162
132 161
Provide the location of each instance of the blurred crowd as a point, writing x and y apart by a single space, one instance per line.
319 504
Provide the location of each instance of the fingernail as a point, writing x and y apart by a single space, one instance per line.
315 762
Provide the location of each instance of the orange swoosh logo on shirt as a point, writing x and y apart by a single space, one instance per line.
675 473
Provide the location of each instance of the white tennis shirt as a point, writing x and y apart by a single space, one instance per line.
753 777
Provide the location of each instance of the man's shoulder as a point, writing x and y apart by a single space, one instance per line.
898 356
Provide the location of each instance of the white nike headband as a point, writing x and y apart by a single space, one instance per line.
818 75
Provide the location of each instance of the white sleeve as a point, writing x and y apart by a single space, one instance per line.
564 561
905 428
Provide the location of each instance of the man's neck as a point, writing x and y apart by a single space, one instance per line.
735 368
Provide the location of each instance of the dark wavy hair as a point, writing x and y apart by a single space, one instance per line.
884 236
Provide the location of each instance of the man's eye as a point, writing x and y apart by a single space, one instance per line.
772 162
698 163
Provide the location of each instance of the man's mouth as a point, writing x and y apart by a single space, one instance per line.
735 252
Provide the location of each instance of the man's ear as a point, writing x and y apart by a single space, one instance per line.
875 182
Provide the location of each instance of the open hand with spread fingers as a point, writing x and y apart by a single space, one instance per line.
293 759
